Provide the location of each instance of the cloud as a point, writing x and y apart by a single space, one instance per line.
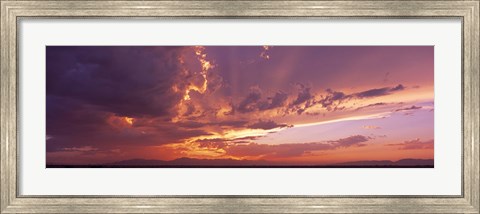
370 127
373 93
291 150
397 88
356 140
191 124
303 96
231 123
248 138
253 101
414 144
304 100
67 116
332 99
130 81
249 103
266 125
190 110
278 100
212 143
244 147
81 149
409 108
281 150
124 95
226 123
371 105
81 155
376 92
72 124
135 97
223 142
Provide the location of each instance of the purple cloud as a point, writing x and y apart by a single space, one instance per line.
409 108
379 91
414 144
266 125
291 150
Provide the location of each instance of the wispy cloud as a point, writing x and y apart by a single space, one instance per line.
370 127
414 144
376 92
290 150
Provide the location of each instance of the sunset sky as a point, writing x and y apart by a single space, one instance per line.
295 105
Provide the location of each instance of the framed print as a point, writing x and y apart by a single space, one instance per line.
239 107
242 124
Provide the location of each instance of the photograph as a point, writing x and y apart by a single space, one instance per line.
240 106
305 106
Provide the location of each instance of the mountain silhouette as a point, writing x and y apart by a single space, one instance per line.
190 162
402 162
232 162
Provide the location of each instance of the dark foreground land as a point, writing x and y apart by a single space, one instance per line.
229 163
192 166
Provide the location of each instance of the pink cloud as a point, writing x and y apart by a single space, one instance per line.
414 144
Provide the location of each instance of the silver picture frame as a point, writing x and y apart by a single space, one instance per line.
12 11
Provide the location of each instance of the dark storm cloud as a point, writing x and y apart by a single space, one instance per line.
69 116
249 103
128 81
91 90
71 124
123 138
